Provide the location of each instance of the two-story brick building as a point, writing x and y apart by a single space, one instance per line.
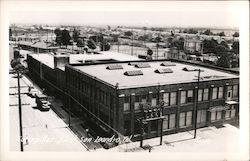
110 94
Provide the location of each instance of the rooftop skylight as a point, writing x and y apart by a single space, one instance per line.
164 70
133 73
114 67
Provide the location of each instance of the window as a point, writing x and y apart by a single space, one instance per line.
182 119
137 105
200 94
173 98
189 118
235 90
154 125
172 121
183 97
185 119
144 99
214 96
153 100
201 116
166 98
215 115
220 95
205 94
126 105
230 113
169 122
190 96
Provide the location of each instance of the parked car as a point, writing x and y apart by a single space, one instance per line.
42 102
33 91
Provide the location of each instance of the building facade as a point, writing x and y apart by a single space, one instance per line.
112 97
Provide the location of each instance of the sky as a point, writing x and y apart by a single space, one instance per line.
177 14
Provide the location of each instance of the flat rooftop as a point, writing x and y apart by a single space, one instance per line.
48 58
150 77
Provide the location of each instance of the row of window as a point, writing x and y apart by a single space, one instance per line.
185 119
186 97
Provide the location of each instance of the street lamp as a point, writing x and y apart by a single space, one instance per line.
19 69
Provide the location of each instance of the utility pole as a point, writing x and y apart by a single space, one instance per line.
20 112
132 43
196 103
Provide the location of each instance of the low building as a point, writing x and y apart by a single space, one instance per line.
113 96
192 45
37 47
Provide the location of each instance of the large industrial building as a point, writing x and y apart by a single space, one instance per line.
113 93
110 91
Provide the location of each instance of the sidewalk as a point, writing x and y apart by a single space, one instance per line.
209 139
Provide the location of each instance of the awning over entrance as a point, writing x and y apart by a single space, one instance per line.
232 102
217 108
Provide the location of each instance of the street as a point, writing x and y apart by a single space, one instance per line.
42 131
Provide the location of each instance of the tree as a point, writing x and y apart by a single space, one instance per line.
80 43
209 46
236 34
224 43
221 34
105 46
235 47
224 56
58 34
91 44
224 60
65 37
128 33
75 35
207 32
10 33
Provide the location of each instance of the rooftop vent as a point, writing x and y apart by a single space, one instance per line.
142 65
167 64
164 70
114 67
133 73
191 69
132 63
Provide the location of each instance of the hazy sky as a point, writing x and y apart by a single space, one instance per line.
194 14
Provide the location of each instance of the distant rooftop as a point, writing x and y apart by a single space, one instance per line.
150 76
40 45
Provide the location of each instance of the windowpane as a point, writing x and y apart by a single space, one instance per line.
205 94
173 98
182 119
203 115
218 115
165 123
214 96
126 107
136 105
220 92
189 118
153 102
183 97
235 90
166 98
172 121
213 115
200 95
190 93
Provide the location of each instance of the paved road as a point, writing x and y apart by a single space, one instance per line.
55 137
